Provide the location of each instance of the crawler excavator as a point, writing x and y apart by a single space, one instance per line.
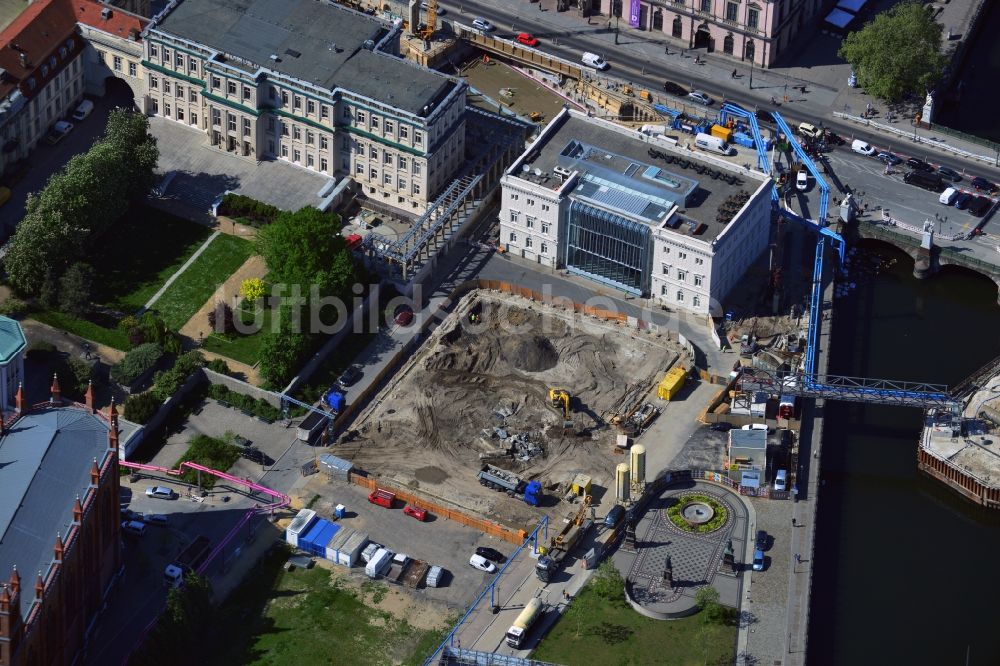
560 398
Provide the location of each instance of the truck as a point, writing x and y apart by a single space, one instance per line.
414 572
187 561
496 478
519 630
382 497
379 563
549 563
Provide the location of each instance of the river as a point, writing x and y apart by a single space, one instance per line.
903 567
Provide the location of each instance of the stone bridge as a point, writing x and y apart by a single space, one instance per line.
928 262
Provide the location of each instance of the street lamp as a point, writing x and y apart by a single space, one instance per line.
751 74
616 29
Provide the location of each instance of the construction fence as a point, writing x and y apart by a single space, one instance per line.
486 526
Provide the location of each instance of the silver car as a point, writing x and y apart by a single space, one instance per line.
700 97
483 25
159 492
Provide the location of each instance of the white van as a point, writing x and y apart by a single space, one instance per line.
134 527
860 146
379 563
593 60
781 480
948 196
83 110
755 426
713 144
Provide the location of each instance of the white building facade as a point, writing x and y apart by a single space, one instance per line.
588 197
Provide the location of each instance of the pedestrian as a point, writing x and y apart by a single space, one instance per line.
793 522
733 75
798 558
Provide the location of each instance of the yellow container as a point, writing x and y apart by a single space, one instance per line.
671 383
723 133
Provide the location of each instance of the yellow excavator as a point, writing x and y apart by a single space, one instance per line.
560 398
430 27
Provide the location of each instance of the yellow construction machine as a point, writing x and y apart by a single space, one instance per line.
430 27
560 399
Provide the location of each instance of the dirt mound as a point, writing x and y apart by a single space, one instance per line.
530 353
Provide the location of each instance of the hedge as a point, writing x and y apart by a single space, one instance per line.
256 212
256 406
141 407
213 453
168 382
136 362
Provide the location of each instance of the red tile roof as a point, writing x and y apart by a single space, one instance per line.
88 12
37 32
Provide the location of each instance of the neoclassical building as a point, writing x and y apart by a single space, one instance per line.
748 30
310 83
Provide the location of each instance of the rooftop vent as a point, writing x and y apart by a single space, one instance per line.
369 45
24 59
106 13
275 58
293 53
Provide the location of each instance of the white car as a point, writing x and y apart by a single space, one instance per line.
483 564
441 11
83 110
802 180
159 492
483 25
700 97
58 132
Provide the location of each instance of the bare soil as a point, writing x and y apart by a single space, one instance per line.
428 428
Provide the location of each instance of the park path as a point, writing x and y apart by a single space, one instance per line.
197 327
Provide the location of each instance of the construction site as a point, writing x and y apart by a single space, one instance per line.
528 391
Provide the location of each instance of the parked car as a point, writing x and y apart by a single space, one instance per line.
802 180
415 512
483 564
700 98
482 25
781 480
722 427
253 454
761 542
58 132
863 147
982 184
948 172
980 205
758 560
159 492
526 38
891 159
672 88
833 138
441 11
491 554
810 130
133 527
963 200
614 516
129 514
350 376
403 316
764 116
156 519
919 165
83 109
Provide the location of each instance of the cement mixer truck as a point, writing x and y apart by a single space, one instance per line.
519 630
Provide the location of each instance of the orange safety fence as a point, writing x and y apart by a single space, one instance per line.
481 524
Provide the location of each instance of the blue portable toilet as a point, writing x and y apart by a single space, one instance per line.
335 400
339 511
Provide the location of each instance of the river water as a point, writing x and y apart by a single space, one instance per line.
905 570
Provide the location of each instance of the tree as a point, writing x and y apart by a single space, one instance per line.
184 628
253 289
220 318
608 582
898 53
141 407
280 354
75 289
74 374
707 598
136 363
304 248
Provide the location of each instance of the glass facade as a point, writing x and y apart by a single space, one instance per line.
608 248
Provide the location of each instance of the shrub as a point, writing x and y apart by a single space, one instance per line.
218 365
256 212
136 362
220 318
141 407
151 328
252 289
211 452
256 406
74 375
168 382
13 307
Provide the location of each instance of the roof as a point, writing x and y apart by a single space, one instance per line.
618 173
321 43
748 439
12 340
38 32
120 23
45 462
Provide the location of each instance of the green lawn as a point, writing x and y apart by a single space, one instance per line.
195 285
301 618
112 337
243 348
596 631
137 255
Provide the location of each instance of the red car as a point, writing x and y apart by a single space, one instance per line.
403 315
526 38
416 512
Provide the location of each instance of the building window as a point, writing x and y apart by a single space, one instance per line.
528 242
298 155
666 269
706 5
216 118
696 301
154 83
699 261
284 98
310 138
192 95
310 107
324 111
416 188
216 83
515 216
166 110
361 117
387 178
194 118
166 86
530 202
401 183
682 255
698 279
680 296
166 55
192 65
179 59
154 51
310 161
179 91
324 142
513 237
387 157
389 128
418 138
246 127
231 122
297 103
545 248
402 162
180 113
359 168
297 132
284 129
373 152
284 152
416 169
753 16
323 164
545 228
404 131
117 63
529 222
732 10
246 92
682 275
132 69
155 106
374 122
231 87
373 174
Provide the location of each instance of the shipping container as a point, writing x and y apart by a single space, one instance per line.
379 563
345 548
723 133
335 467
299 525
321 533
671 384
